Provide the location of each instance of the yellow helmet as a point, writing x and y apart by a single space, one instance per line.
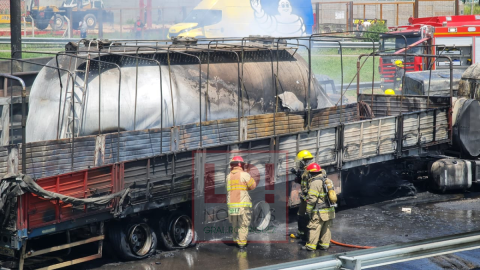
304 155
390 92
399 63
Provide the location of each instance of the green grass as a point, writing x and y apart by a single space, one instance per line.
328 62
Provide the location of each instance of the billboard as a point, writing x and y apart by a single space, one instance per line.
240 18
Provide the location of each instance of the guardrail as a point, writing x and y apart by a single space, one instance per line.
346 44
391 254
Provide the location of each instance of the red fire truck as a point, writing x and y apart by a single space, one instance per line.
455 36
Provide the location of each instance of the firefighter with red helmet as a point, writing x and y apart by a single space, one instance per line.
239 202
302 160
320 208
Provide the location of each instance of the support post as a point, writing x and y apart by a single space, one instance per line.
16 28
415 9
398 7
141 8
100 23
317 17
149 14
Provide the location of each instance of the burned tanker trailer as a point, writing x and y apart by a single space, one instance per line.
161 88
143 195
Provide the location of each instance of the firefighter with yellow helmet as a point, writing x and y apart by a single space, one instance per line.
398 76
239 202
321 203
302 159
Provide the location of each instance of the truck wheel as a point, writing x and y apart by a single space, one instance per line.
133 241
41 25
58 21
91 20
261 215
181 229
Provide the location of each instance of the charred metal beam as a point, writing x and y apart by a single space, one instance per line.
16 28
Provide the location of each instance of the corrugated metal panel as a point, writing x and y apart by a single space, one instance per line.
326 153
161 176
136 144
369 138
328 117
3 160
213 133
441 129
218 162
384 105
259 126
352 140
184 166
49 158
135 178
410 129
420 127
387 142
287 144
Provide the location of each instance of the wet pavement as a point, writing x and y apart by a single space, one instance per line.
378 224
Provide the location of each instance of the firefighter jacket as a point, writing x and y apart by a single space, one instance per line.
238 185
317 198
304 184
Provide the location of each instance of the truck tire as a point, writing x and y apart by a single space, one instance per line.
42 25
165 240
59 22
91 20
133 240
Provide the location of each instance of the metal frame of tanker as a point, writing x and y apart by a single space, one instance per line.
336 130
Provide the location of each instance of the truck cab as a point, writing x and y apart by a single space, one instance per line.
455 36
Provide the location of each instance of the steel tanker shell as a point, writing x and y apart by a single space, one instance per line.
466 126
153 96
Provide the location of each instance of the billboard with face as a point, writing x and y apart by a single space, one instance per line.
240 18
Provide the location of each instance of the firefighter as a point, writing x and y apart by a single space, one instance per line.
318 209
138 28
302 160
399 73
238 201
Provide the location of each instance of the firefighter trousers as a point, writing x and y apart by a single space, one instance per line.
240 223
319 233
303 219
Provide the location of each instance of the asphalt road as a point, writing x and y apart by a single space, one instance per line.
378 224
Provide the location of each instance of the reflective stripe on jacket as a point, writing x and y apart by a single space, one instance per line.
238 185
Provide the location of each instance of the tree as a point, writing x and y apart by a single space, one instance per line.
377 29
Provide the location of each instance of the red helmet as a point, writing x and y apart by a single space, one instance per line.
236 160
314 167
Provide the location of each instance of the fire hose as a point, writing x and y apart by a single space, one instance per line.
350 246
342 244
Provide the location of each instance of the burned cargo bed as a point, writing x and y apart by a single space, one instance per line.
160 167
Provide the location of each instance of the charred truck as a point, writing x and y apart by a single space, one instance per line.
128 145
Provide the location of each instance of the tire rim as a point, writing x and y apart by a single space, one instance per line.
90 22
181 230
58 23
261 215
140 239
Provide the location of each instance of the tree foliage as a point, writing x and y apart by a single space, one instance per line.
377 29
